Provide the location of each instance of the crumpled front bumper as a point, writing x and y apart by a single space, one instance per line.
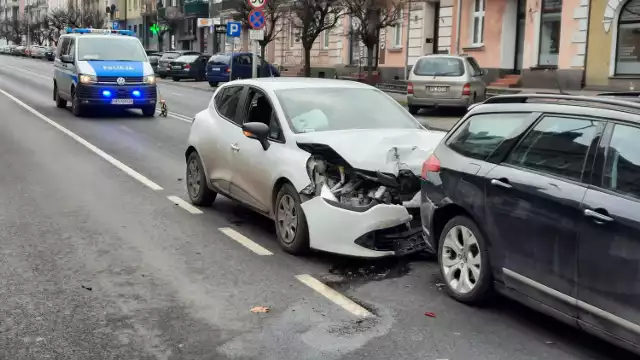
371 232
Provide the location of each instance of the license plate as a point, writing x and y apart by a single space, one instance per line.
438 88
177 67
122 101
214 69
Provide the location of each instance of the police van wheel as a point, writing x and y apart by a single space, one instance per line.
149 111
76 109
60 103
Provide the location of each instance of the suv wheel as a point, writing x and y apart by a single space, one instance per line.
464 261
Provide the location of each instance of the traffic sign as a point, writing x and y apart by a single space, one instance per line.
233 29
220 29
256 19
256 4
256 34
115 24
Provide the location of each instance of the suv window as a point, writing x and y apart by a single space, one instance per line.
439 66
482 134
227 102
242 59
477 70
556 145
622 168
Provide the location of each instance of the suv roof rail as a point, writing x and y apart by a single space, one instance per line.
603 99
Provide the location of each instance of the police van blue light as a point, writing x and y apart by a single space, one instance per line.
103 67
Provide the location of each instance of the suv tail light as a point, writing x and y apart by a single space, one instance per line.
228 69
410 88
432 164
466 89
187 66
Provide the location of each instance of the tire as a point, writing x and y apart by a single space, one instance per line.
175 79
76 108
60 103
213 83
163 76
149 111
298 243
482 285
413 110
202 196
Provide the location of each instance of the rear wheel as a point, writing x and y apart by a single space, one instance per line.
60 103
163 76
199 192
413 110
175 79
149 111
463 257
213 83
291 224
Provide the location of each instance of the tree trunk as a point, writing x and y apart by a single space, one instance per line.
307 61
370 65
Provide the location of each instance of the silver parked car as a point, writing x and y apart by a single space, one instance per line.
445 81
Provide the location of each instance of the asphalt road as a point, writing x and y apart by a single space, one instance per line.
98 262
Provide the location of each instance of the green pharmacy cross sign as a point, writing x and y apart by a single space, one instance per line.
155 29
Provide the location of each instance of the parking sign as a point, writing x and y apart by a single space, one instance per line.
233 29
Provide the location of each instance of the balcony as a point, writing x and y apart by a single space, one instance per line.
43 4
196 8
13 4
169 13
225 6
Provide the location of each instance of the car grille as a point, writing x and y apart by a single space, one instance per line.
114 79
121 93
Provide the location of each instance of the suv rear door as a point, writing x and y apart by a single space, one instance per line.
609 256
533 208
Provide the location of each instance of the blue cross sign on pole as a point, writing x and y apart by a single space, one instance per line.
256 19
233 29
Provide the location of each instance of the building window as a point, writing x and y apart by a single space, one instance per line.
325 39
550 21
396 39
628 42
291 34
477 31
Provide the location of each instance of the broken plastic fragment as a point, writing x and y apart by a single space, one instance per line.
430 314
260 309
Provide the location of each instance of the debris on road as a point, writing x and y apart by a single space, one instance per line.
430 314
260 309
87 287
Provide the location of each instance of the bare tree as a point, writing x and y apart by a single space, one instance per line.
310 18
12 30
371 16
169 23
274 11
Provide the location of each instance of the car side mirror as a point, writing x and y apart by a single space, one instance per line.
483 72
258 131
66 59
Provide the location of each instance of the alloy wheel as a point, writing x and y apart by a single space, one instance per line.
461 259
287 218
193 178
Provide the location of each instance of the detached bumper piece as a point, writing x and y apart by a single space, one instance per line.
399 239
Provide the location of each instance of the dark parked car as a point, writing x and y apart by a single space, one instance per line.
50 53
163 62
153 60
218 69
188 67
538 196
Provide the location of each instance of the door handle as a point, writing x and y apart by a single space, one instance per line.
597 216
501 183
235 148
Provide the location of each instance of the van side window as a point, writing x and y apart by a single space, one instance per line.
482 134
72 48
62 48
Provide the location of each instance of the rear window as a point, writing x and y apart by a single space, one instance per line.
187 58
219 59
482 134
170 55
439 66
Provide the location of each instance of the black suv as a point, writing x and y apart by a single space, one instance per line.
538 196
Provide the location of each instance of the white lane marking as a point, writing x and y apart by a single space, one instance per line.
245 241
113 161
41 75
178 116
185 205
334 296
176 94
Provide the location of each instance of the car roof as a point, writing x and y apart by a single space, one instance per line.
282 83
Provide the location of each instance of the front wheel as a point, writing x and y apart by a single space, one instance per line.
291 224
213 83
413 110
163 76
76 108
60 103
149 111
464 261
175 79
199 192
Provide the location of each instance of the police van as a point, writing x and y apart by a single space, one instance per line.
103 67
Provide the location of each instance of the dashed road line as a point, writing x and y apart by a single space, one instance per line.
40 75
185 205
334 296
113 161
245 241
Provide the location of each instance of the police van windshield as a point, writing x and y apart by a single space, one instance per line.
117 48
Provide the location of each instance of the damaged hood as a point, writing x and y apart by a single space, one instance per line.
385 150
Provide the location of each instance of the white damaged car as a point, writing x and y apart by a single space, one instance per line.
334 163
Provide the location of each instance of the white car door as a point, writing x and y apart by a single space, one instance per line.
254 168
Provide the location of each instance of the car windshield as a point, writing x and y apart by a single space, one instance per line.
187 58
327 109
220 59
110 49
439 66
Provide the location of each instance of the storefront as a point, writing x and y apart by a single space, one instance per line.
614 26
